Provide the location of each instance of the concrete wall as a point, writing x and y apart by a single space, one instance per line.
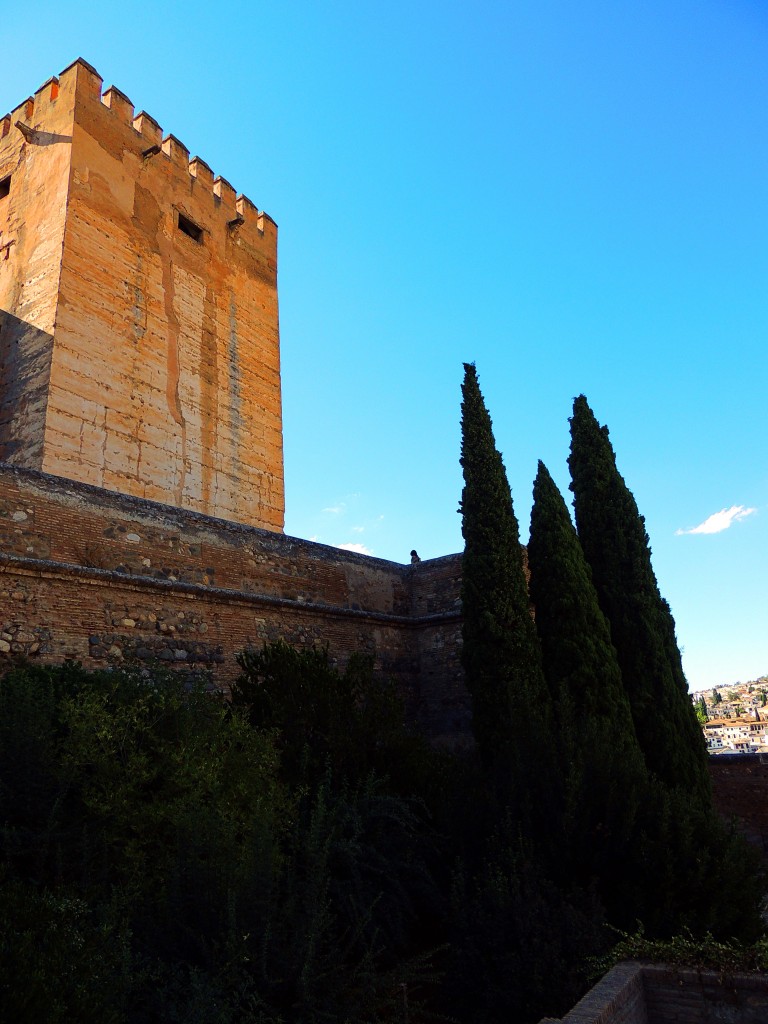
101 577
151 357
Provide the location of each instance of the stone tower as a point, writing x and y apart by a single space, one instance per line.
139 341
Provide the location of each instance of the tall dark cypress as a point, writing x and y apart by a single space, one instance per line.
613 537
599 756
511 706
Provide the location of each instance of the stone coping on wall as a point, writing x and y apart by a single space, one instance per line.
726 757
49 519
643 993
64 489
51 570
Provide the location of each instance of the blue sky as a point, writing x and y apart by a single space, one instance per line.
574 196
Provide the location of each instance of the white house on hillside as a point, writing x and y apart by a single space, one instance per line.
745 735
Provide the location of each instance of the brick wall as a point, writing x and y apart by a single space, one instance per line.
634 993
704 997
102 577
740 791
618 998
441 697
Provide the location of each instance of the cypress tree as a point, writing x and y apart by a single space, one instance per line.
613 537
600 758
501 656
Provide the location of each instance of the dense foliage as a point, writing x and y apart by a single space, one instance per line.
511 705
297 855
612 534
598 753
629 807
702 713
696 874
687 950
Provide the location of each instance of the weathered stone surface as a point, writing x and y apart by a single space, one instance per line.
140 398
134 356
407 617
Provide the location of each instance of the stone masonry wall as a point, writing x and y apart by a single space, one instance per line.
34 177
138 310
439 687
100 578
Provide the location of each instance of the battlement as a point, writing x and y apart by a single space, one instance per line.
79 82
139 340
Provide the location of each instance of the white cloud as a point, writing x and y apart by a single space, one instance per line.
720 521
361 549
358 529
342 505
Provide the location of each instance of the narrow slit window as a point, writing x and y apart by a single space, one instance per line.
5 186
190 228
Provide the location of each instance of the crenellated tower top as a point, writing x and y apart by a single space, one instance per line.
86 83
139 338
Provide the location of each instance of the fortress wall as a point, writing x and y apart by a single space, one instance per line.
139 364
52 612
34 177
98 577
442 699
63 521
101 577
740 792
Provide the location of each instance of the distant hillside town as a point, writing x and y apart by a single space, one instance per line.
735 717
